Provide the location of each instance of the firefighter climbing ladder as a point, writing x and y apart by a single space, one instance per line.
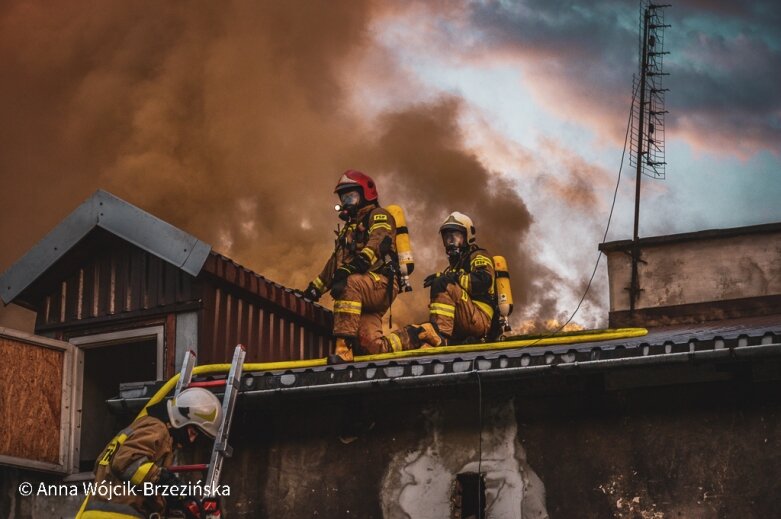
221 449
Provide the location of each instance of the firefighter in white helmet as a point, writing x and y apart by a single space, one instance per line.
463 296
143 451
361 271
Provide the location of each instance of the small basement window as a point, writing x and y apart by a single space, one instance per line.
469 496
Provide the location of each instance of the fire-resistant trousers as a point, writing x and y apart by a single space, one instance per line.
358 312
456 315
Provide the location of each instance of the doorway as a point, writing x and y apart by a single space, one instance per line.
105 362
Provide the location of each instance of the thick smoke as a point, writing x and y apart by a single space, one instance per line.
233 122
423 165
225 121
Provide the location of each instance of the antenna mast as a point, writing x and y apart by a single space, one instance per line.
648 120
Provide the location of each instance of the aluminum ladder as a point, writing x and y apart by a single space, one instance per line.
221 449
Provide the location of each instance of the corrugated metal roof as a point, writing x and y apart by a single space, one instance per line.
673 344
719 341
285 298
156 237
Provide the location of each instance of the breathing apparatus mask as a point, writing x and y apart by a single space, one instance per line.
350 202
181 436
455 243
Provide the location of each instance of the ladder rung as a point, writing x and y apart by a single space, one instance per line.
208 383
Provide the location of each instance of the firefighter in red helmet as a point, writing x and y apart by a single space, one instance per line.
360 272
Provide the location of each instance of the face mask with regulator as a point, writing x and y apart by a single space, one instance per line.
348 206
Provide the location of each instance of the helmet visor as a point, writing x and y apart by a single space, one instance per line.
453 239
349 198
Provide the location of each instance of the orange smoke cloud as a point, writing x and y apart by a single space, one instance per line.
233 122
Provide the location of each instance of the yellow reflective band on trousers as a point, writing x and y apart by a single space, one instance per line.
442 309
141 473
395 342
486 308
319 285
347 307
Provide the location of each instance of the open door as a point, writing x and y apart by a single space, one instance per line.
36 401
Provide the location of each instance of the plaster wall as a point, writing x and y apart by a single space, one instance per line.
698 271
596 447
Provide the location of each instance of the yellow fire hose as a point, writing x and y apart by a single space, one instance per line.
557 340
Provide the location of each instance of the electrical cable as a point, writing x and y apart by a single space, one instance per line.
583 298
609 218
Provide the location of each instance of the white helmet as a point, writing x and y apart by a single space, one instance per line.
460 222
196 406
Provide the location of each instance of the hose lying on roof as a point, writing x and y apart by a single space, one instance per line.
557 339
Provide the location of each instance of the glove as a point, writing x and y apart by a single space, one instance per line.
344 271
439 277
312 293
440 283
430 279
166 477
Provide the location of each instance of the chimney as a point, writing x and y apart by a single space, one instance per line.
695 277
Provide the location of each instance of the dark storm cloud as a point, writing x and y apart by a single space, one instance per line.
725 62
726 92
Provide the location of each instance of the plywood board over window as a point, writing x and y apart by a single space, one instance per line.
35 401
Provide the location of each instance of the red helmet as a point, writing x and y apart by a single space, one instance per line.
352 179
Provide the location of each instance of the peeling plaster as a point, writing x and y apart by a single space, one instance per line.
419 483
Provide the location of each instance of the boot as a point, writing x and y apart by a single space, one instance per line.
429 335
343 352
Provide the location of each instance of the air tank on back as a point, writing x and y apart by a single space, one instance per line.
403 247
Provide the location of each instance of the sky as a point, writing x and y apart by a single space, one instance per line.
234 120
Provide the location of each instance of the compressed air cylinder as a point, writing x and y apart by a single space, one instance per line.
504 296
403 248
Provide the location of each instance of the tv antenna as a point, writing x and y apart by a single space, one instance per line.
648 112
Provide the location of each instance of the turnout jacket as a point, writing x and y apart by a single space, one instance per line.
476 275
135 455
370 234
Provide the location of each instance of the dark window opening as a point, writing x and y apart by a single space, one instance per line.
105 367
469 498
